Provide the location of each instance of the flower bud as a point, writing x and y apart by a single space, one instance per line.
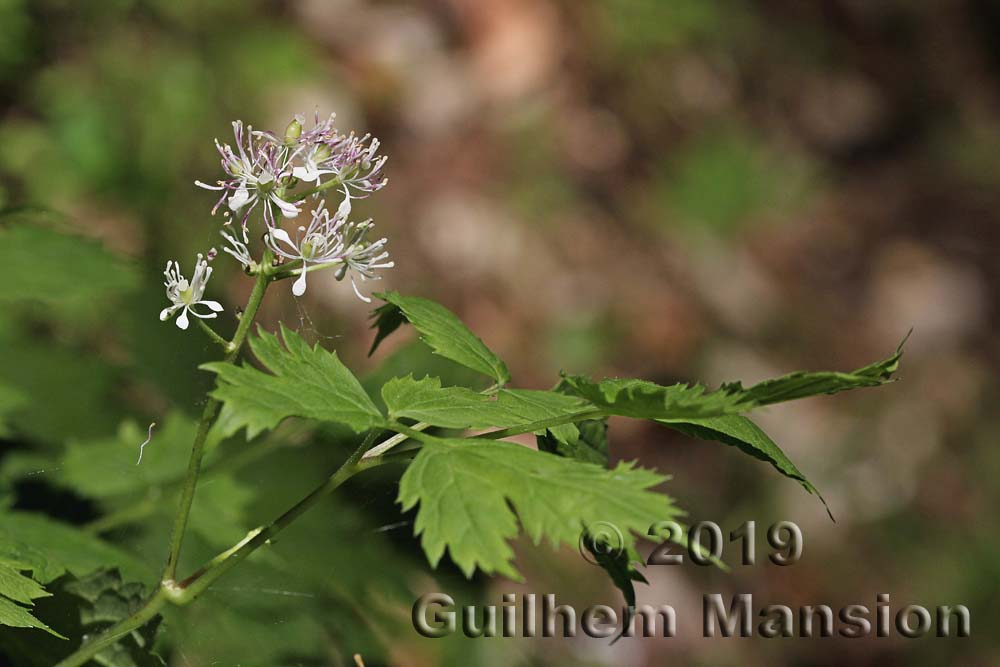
322 152
294 130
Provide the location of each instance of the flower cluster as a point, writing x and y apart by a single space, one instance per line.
331 240
277 175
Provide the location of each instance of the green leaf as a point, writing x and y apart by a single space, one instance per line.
803 384
56 268
642 399
65 548
304 382
618 563
469 490
16 616
457 407
426 400
738 431
69 391
584 441
48 549
441 330
108 467
82 607
18 587
388 317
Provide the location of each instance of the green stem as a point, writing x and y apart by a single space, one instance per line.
138 619
207 418
293 268
210 332
186 591
389 443
333 182
194 585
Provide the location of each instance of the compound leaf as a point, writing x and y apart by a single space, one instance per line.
469 491
303 381
642 399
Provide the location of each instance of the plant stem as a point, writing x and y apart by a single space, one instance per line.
207 418
194 585
294 268
333 182
210 332
138 619
186 591
389 443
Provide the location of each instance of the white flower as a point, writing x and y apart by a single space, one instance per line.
364 257
331 240
257 172
238 249
186 295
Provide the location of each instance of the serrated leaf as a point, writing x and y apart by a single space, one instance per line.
458 407
16 616
441 330
65 547
803 384
642 399
469 490
618 563
81 607
388 317
584 441
25 557
304 381
738 431
18 587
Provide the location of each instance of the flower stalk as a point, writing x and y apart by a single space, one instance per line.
208 415
262 173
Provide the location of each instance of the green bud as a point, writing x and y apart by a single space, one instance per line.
293 131
321 153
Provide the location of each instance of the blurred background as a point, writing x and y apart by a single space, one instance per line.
669 189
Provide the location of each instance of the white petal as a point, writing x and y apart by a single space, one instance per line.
358 292
213 305
289 210
281 235
306 173
344 210
299 286
166 313
182 321
239 199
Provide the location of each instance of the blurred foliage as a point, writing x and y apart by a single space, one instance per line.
755 187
